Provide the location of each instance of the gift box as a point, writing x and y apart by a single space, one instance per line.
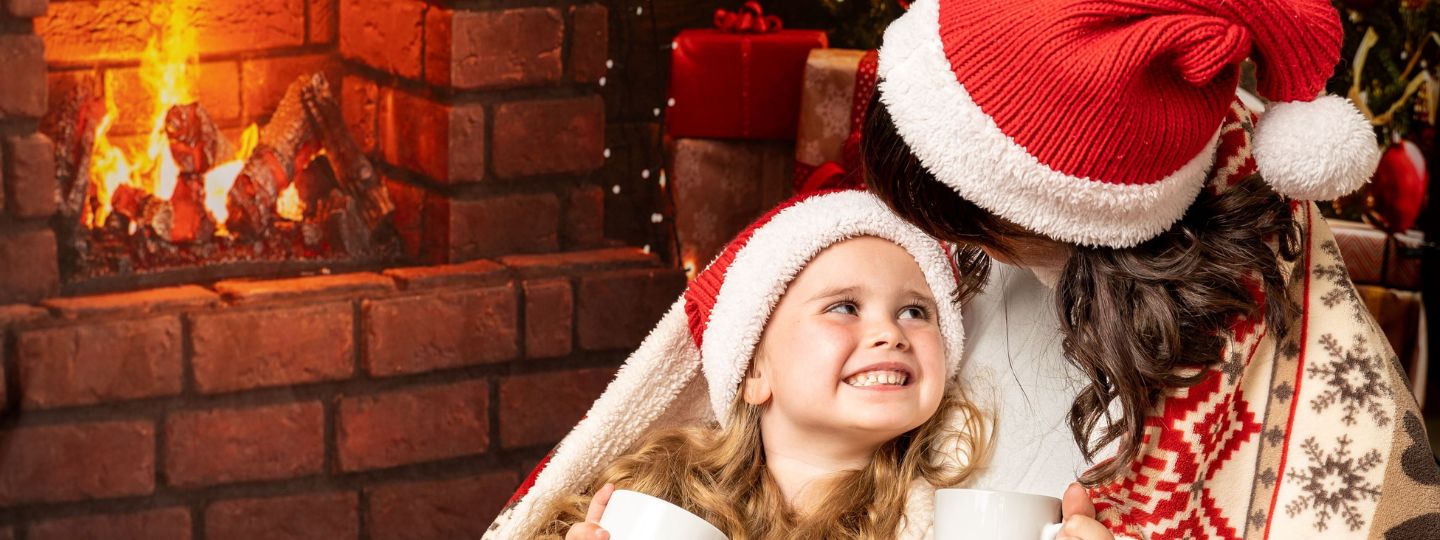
838 86
1373 258
720 186
1401 315
740 80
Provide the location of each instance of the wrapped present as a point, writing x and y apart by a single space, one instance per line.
838 86
719 187
1401 315
1374 257
740 80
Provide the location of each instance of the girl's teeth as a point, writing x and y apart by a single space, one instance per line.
872 378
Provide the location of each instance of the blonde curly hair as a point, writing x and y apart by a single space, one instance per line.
719 474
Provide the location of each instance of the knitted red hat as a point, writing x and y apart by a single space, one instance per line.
728 304
1095 122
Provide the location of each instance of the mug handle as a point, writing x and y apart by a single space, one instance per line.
1049 532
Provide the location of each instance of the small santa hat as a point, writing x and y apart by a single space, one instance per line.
1095 122
689 369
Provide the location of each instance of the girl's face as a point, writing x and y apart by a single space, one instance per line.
853 348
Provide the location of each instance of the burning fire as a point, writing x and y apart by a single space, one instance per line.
168 73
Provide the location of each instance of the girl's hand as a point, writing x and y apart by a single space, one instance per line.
590 528
1079 517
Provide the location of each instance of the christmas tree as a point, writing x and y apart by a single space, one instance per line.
1388 69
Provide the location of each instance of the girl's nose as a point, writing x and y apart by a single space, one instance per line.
888 334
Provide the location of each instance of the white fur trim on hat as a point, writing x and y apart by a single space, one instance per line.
1315 150
644 390
963 147
764 267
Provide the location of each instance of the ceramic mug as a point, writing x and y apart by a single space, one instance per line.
995 515
636 516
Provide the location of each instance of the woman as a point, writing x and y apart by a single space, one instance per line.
1231 384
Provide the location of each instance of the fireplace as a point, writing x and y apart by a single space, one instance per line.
435 247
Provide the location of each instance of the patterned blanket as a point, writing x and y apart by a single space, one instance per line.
1309 435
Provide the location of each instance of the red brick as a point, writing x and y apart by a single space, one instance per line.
29 269
465 229
584 218
323 15
540 409
617 309
100 362
237 445
549 136
267 79
549 315
19 315
23 88
167 523
444 142
216 85
479 272
30 188
384 35
346 285
360 105
26 9
437 510
323 516
507 47
77 462
72 30
440 330
133 303
411 426
570 263
235 350
408 218
589 42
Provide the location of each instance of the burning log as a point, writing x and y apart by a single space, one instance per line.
71 124
353 172
183 218
195 142
289 135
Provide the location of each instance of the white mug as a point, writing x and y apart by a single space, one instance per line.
637 516
995 515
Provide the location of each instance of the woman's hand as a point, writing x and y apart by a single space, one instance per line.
1079 517
590 528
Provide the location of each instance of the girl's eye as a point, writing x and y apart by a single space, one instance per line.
843 308
913 312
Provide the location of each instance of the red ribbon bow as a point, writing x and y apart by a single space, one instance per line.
749 19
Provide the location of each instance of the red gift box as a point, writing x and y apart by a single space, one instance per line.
741 80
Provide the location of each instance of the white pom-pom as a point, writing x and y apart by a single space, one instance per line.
1315 150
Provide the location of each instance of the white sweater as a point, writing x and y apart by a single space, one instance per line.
1014 366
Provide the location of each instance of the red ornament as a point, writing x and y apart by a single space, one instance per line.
1398 188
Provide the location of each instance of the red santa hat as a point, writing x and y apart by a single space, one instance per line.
689 369
1096 122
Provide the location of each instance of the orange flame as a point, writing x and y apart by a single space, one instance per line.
167 72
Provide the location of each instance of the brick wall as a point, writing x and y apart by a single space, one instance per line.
28 196
406 403
398 403
488 121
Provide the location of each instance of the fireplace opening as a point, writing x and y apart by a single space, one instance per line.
154 191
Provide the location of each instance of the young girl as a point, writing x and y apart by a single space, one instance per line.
803 387
1231 384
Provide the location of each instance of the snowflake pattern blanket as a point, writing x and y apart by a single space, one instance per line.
1309 435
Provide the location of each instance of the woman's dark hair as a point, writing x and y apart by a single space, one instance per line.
1136 321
